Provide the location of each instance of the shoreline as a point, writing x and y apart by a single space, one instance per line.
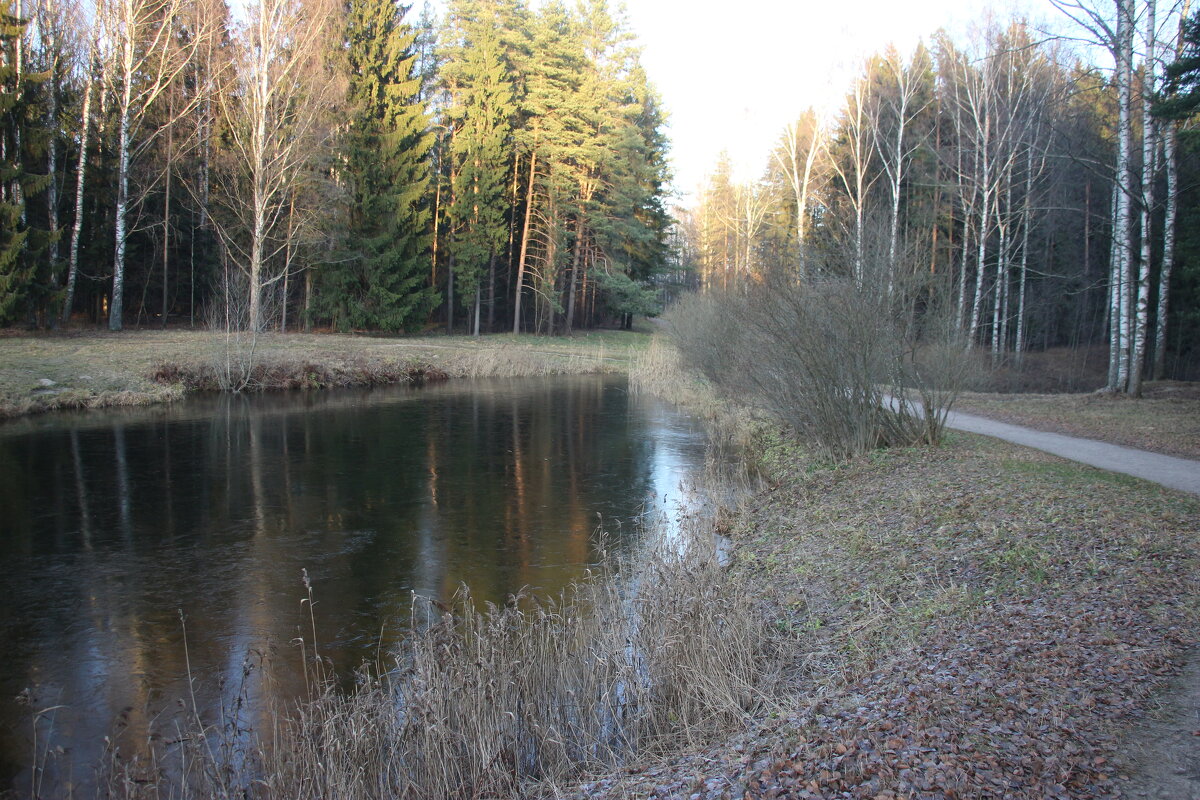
976 618
94 370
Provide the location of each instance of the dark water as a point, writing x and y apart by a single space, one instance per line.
112 524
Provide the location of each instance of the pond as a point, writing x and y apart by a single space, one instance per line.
141 547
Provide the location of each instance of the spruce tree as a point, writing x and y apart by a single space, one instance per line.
20 246
380 281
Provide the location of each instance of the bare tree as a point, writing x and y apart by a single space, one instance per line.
1149 149
1170 129
803 144
855 174
278 107
140 37
896 144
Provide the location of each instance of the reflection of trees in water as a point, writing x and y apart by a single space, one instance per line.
213 507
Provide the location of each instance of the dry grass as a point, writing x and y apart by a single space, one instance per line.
1059 369
970 620
507 701
1165 420
97 369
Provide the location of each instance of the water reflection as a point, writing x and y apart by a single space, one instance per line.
114 523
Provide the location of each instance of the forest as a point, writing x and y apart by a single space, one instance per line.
1051 201
315 163
359 166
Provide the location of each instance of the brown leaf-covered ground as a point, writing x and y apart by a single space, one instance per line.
971 621
1166 419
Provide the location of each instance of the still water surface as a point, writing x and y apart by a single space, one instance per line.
114 524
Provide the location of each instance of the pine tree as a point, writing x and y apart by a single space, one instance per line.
20 246
381 282
480 113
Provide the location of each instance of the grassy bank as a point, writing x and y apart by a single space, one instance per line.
99 369
971 620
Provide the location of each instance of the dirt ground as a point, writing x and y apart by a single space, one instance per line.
1166 746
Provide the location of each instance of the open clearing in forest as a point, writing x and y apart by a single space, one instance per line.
97 369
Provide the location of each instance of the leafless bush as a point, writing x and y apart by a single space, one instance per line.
849 366
235 352
488 703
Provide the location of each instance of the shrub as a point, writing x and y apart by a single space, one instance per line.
850 367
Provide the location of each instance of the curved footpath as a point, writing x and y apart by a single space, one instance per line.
1169 471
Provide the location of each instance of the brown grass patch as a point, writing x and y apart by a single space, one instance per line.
505 702
1166 419
96 369
975 620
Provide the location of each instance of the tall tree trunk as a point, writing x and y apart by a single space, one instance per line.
450 293
1124 227
52 188
1027 223
1149 147
1168 254
437 210
491 302
77 224
981 258
1001 284
579 229
116 308
307 300
166 240
524 243
1114 291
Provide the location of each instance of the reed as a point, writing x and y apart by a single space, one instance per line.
653 654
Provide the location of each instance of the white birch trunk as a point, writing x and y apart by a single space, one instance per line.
1168 254
1142 312
77 225
1124 229
1026 224
116 308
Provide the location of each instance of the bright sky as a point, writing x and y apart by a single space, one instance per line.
733 74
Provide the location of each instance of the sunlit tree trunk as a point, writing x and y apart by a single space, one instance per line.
524 243
80 177
1149 147
1168 254
1123 232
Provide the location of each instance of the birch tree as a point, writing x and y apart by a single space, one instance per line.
148 57
853 165
798 157
1171 109
901 101
278 110
1149 151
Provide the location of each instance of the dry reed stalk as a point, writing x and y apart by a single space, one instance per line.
660 651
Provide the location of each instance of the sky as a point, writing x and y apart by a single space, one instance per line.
733 74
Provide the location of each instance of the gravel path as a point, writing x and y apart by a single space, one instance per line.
1169 471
